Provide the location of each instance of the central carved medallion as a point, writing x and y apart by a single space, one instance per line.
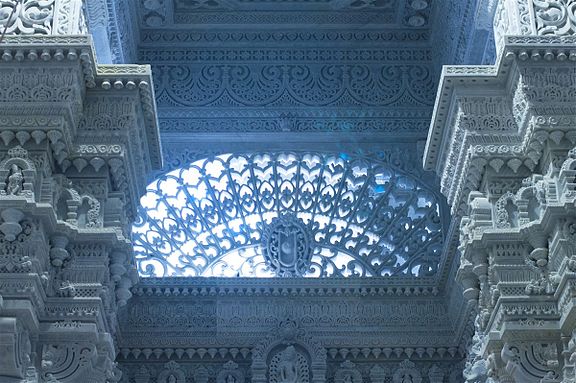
287 246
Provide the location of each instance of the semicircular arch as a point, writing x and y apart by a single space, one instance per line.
361 217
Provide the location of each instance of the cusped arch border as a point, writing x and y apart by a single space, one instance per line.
366 217
289 333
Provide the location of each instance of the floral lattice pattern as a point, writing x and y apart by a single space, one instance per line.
28 16
364 218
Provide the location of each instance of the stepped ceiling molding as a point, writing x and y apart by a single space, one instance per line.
240 75
179 14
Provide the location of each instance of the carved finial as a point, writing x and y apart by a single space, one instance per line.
11 225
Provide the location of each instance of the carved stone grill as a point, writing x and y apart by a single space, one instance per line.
288 214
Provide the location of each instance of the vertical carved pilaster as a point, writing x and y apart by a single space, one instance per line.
65 257
507 173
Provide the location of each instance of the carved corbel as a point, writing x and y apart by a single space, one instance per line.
117 268
11 226
469 280
123 286
123 291
531 199
476 368
58 252
537 260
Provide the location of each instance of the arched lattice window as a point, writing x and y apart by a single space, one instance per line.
287 214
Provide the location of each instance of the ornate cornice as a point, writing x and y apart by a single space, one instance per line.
130 81
286 287
516 73
296 36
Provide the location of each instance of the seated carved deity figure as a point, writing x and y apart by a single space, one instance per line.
230 379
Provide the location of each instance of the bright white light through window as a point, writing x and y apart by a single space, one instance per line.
365 219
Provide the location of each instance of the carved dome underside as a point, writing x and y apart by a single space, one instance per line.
230 215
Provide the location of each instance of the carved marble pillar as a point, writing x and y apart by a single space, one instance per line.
75 139
502 141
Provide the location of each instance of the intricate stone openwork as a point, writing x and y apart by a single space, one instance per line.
349 217
286 246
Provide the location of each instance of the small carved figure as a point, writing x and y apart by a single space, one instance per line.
287 367
67 289
230 379
15 181
348 379
171 379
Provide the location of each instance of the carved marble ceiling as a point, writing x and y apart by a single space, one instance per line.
181 14
339 77
239 75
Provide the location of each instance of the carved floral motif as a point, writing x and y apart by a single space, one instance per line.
30 16
555 17
295 85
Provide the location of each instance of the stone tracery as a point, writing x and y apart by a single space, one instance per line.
357 218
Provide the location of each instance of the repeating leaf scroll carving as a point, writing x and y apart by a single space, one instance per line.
28 16
294 84
363 218
555 17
